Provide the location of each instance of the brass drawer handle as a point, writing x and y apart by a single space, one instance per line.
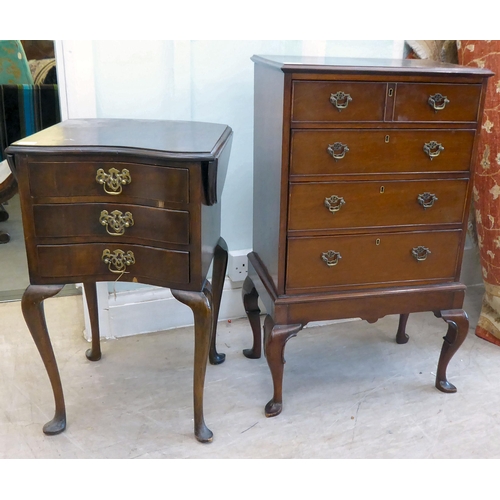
334 203
118 261
433 149
427 199
420 253
114 180
331 258
340 100
116 221
337 150
438 102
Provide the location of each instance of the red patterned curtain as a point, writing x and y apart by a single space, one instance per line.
486 54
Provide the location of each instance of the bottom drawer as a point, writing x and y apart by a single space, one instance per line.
378 259
125 262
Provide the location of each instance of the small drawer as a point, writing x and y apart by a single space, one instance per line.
127 263
113 180
111 221
335 152
378 259
330 205
338 101
427 102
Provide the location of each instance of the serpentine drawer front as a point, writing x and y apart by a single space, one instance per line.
124 200
118 181
362 188
127 222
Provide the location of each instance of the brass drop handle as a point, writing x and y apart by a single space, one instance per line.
114 180
420 253
337 150
331 258
438 102
340 100
118 260
433 149
116 221
427 199
334 203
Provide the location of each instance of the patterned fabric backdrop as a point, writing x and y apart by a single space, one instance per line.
486 54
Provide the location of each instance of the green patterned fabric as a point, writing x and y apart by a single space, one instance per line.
14 67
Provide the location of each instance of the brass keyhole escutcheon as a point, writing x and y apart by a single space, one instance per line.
118 260
114 180
377 241
420 253
340 100
433 149
438 102
427 200
337 150
382 189
116 222
334 203
331 258
387 139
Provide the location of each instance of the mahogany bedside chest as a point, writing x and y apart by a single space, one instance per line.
128 200
362 185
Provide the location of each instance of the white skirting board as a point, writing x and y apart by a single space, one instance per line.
148 310
152 309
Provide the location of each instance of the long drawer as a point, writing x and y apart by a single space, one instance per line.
125 262
114 180
334 152
106 220
335 205
378 259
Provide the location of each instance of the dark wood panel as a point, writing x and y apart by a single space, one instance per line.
71 179
372 304
68 261
311 101
377 151
369 67
83 219
412 102
186 140
380 203
376 258
268 177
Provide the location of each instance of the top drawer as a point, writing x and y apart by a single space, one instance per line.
111 180
427 102
338 101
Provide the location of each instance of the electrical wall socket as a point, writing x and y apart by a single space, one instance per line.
237 265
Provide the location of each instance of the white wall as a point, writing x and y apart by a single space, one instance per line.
204 81
188 80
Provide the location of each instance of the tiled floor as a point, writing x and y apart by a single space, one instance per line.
349 392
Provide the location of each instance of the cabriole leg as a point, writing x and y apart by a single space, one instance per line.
401 336
218 276
275 338
458 327
201 305
34 315
251 304
94 353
